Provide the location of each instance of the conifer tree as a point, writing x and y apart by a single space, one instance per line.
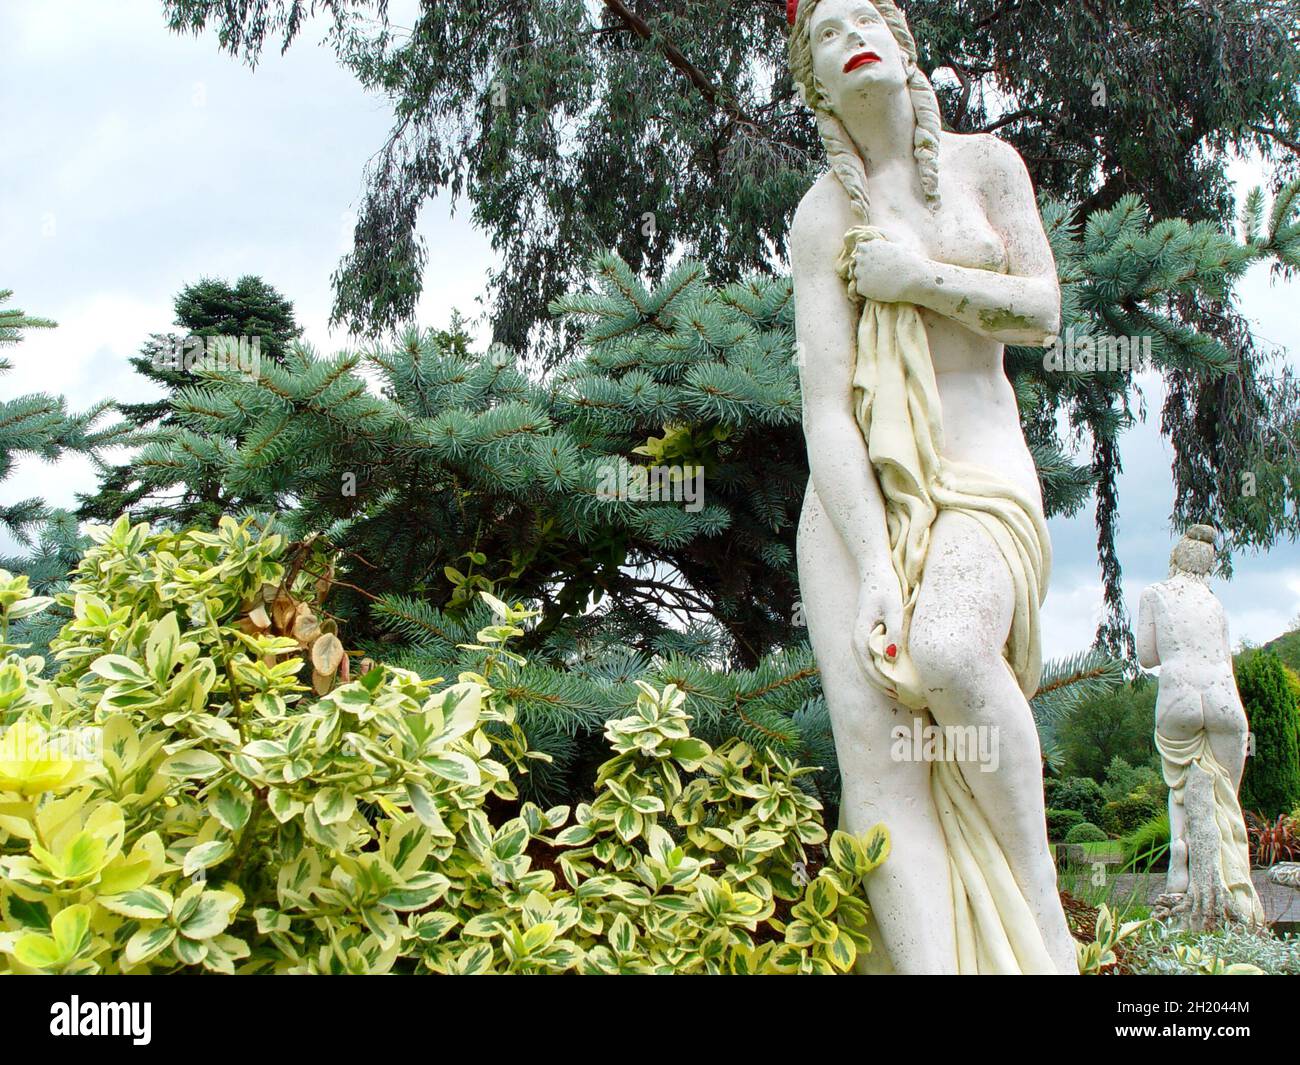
468 474
39 424
214 317
1271 782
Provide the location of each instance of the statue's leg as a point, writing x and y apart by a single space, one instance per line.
1178 717
910 894
959 629
1176 881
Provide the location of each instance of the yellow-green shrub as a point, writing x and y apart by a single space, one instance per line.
177 799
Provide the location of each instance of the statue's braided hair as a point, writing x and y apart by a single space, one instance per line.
845 160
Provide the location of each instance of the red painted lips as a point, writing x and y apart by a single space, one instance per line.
861 60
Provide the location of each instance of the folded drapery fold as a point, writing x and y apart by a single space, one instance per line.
1177 757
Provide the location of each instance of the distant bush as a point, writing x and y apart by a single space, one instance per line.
1059 822
1081 794
1130 813
1123 780
1085 833
1120 723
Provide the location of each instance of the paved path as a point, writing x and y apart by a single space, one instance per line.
1281 903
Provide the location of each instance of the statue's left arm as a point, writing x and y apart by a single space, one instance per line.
1148 650
1022 306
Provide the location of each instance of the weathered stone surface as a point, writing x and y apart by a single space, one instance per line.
1201 733
923 553
1285 873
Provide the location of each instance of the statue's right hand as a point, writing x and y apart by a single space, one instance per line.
880 603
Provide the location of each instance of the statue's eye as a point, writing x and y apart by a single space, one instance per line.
828 33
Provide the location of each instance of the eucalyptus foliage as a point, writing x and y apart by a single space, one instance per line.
564 123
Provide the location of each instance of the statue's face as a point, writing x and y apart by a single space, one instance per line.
853 51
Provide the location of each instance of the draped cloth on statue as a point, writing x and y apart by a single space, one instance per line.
1177 757
898 410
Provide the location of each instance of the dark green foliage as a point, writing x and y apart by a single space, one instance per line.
1079 794
1075 82
1130 812
1133 794
1146 848
1123 780
1271 782
1085 833
1059 822
213 310
1119 724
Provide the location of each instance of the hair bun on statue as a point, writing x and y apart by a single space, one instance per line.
791 9
1204 533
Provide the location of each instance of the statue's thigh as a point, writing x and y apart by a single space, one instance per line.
967 598
863 718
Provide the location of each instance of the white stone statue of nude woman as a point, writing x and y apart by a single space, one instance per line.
1201 733
923 553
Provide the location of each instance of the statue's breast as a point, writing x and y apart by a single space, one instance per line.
958 233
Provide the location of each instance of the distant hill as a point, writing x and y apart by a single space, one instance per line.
1287 647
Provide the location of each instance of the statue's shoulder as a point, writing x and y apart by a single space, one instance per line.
821 219
1154 591
1152 601
983 152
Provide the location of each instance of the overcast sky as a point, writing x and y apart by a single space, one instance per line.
137 161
